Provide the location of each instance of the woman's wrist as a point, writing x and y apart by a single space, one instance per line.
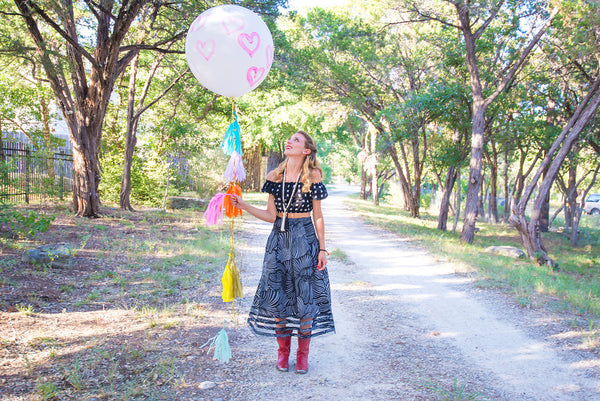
323 250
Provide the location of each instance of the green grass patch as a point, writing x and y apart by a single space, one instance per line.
577 283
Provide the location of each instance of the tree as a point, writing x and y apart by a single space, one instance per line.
579 23
84 100
134 113
473 19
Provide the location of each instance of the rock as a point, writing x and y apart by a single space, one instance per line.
509 251
56 255
207 385
180 202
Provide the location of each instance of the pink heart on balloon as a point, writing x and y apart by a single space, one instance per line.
254 75
206 49
233 24
198 23
250 43
270 53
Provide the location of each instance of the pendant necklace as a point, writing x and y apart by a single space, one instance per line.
286 207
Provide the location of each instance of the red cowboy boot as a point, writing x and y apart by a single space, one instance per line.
283 354
302 355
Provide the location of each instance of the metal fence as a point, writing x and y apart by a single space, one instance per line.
27 174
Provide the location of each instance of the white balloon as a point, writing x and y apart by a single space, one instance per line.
229 50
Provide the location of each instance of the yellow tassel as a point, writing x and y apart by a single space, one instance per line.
232 285
227 281
238 291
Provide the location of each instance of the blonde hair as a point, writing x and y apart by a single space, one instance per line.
310 165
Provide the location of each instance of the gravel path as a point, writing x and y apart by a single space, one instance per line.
408 328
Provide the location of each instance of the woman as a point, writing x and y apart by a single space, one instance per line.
293 296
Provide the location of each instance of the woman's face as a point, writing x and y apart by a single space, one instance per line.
295 146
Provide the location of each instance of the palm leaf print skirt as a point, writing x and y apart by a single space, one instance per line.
292 294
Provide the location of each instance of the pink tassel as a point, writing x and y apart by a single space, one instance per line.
214 210
235 170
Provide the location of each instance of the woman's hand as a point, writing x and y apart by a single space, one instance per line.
322 260
237 201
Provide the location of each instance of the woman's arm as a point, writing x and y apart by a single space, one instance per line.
320 227
267 215
319 224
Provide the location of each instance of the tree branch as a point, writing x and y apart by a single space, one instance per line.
156 46
72 41
91 3
487 22
511 73
152 103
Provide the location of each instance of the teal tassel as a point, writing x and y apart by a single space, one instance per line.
232 141
220 343
222 348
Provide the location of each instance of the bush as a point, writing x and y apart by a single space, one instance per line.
148 180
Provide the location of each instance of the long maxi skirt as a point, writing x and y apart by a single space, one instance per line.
292 293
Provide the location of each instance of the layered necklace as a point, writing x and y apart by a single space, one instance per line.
287 207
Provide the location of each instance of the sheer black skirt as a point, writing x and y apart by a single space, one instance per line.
293 298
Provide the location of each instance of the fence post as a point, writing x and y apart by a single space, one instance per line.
27 167
62 187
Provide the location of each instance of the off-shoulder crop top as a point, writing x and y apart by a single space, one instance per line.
302 201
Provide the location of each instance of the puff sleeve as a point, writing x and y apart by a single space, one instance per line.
270 187
318 191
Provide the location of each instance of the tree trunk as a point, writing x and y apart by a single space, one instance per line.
506 213
86 174
363 182
273 160
252 164
550 122
481 198
571 196
474 186
130 139
457 194
406 187
445 204
374 164
493 199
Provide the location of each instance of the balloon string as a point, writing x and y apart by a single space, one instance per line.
234 306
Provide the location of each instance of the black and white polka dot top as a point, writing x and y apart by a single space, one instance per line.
302 201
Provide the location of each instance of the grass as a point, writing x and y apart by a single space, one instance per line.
25 310
575 286
455 392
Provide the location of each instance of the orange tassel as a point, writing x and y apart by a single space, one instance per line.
230 210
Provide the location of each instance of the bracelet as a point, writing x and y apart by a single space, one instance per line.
324 250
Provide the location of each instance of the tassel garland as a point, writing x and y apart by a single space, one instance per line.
232 141
235 168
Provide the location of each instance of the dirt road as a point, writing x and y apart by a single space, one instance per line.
408 327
